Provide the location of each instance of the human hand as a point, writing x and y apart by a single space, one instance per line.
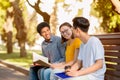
67 68
36 64
73 73
53 66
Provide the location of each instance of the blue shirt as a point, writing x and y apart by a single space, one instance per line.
54 50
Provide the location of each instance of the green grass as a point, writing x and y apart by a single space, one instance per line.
14 58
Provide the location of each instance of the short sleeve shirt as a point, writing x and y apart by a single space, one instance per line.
70 49
89 53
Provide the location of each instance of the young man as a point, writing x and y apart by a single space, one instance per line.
91 62
51 48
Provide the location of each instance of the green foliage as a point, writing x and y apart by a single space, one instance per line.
110 19
29 20
4 4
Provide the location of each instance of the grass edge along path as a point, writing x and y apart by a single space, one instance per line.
15 59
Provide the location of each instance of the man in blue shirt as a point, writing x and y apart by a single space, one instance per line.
51 48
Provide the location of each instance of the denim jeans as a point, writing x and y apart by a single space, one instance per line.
52 75
33 72
44 73
40 74
47 73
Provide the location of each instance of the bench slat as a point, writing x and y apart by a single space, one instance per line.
109 77
110 41
108 36
115 54
112 66
113 47
115 60
113 73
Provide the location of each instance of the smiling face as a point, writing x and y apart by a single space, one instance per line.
66 32
45 32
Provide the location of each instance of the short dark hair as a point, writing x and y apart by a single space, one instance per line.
41 25
81 23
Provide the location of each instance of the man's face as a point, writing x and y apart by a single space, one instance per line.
45 32
75 32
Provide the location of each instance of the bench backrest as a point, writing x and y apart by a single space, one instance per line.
111 43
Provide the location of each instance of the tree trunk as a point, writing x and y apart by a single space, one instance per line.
22 49
9 42
8 29
20 27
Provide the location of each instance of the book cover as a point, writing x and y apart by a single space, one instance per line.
62 75
43 61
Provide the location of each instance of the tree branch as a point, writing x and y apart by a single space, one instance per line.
30 4
116 4
45 15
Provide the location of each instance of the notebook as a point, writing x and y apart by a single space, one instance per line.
62 75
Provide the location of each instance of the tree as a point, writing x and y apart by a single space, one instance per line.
52 19
110 19
20 27
45 15
8 26
6 19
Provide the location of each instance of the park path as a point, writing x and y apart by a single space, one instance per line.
7 73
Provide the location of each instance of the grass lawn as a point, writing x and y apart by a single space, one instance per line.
15 58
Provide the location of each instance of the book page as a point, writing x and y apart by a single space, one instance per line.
40 59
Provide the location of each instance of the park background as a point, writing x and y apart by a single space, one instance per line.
19 18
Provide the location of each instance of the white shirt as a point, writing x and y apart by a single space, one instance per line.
89 53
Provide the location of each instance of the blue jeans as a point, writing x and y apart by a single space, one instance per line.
44 74
33 72
40 74
47 73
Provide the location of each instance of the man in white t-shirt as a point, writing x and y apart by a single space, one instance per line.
91 62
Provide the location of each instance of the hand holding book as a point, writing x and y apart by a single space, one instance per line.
40 60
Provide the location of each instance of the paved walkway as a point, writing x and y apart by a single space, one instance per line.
11 74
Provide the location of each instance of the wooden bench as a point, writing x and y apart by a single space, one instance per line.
111 43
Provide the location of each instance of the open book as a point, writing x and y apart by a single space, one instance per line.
43 61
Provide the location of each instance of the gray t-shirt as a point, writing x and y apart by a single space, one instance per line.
54 50
89 53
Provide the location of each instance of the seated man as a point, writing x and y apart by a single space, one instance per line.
91 62
51 48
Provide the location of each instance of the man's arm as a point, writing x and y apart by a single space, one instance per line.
98 65
75 67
